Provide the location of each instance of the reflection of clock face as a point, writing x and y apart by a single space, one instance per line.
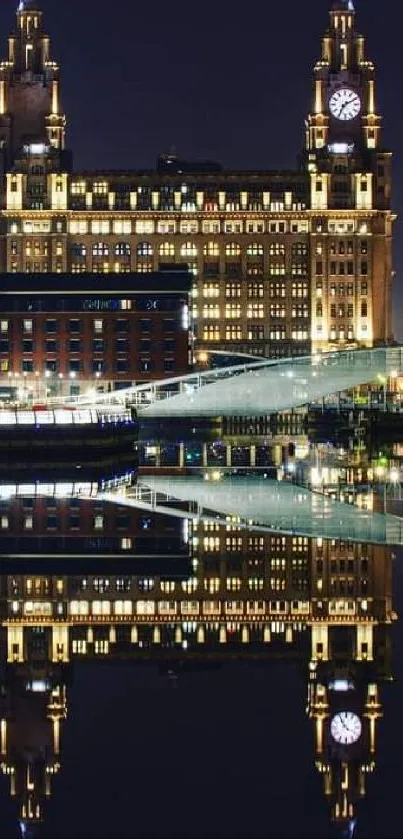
345 104
346 728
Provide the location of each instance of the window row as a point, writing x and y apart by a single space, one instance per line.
168 249
211 332
253 310
147 227
98 325
96 367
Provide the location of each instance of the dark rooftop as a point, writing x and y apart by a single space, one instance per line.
173 278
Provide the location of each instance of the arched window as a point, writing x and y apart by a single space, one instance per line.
100 249
145 261
277 249
255 249
122 249
144 249
167 249
78 250
211 249
188 250
232 249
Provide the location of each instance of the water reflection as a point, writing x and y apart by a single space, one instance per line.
86 580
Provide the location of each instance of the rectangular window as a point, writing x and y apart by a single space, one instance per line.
100 226
144 227
255 310
255 290
232 290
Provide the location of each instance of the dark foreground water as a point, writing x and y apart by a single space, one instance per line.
185 663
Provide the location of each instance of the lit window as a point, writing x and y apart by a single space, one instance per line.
232 249
78 188
167 249
188 250
144 227
100 188
122 226
211 249
211 290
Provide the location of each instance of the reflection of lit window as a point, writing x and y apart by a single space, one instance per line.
98 522
234 583
4 522
28 523
167 586
146 584
189 586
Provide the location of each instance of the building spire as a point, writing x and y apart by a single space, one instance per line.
24 5
343 6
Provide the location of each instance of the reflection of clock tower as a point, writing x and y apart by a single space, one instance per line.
344 702
350 193
33 706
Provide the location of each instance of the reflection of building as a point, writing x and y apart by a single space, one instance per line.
280 259
255 596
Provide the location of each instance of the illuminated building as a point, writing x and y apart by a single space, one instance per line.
282 261
98 332
266 597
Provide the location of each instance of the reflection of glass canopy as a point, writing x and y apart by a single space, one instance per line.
278 505
254 502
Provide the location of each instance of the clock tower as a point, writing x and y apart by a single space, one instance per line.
345 105
350 193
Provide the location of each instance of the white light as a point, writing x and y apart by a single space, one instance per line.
340 148
36 148
185 317
47 374
339 685
38 686
394 476
72 374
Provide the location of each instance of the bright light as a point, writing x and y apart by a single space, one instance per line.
394 476
340 148
185 317
47 374
72 374
339 685
38 686
36 148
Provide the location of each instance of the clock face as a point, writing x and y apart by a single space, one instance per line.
345 104
346 728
